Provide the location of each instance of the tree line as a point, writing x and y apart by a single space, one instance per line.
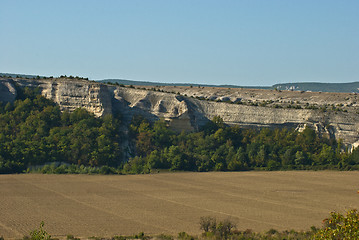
218 147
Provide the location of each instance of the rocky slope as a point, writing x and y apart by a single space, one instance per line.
333 115
68 94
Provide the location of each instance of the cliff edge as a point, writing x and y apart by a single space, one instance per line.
187 111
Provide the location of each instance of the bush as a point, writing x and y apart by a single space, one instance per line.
222 230
40 234
338 226
207 224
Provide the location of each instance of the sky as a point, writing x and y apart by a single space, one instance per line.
235 42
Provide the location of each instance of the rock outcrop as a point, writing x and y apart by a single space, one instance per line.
68 94
186 113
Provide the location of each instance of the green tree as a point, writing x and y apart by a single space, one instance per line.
154 160
287 157
162 135
326 156
300 158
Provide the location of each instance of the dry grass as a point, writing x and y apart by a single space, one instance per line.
85 205
259 95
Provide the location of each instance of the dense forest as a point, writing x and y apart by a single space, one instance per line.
35 133
218 147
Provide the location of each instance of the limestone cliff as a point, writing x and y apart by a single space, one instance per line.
186 113
68 94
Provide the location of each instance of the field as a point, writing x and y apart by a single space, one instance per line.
97 205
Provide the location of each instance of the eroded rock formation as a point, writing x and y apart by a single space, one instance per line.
185 113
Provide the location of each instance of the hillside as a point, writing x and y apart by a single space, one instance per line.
296 86
188 108
157 84
139 130
352 87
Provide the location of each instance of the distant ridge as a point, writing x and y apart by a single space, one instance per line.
351 87
319 87
146 83
300 86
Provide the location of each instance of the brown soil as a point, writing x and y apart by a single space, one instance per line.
97 205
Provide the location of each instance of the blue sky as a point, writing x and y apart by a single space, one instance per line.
240 42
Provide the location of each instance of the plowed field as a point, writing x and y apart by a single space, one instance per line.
95 205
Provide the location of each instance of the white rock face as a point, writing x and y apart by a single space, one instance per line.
184 113
71 94
153 105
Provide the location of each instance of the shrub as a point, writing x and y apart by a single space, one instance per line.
222 230
207 224
338 226
40 234
272 231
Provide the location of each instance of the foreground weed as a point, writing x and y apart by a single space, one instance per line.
39 234
184 236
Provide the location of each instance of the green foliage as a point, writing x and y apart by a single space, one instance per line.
73 169
34 132
40 234
71 237
212 229
222 148
208 224
184 236
338 226
221 230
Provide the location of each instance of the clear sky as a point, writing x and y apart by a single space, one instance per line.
240 42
